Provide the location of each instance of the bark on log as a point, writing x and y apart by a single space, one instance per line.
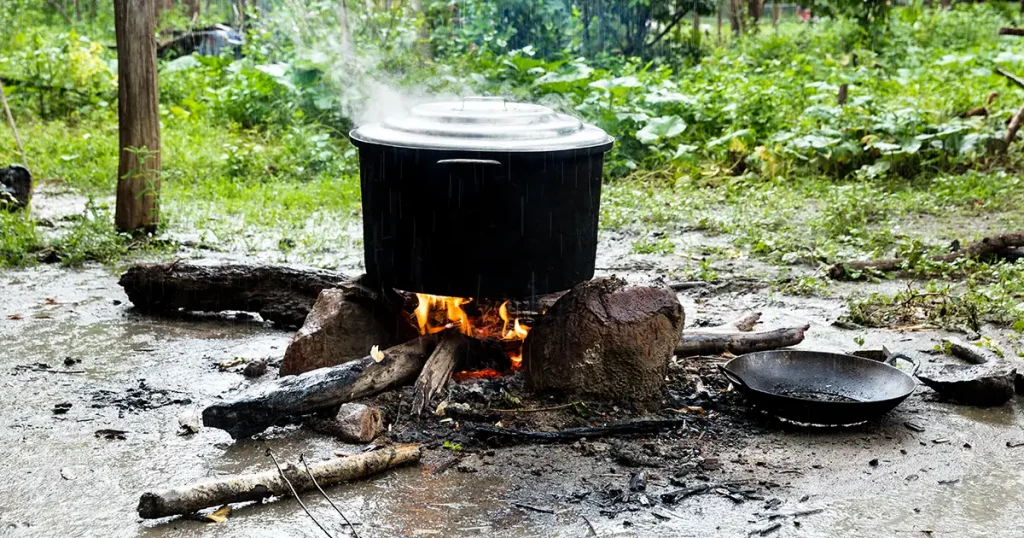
738 343
259 486
344 324
438 370
282 295
355 423
605 339
319 389
986 247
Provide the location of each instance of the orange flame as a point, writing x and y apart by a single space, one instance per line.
435 313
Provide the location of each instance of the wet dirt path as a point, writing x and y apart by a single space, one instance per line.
59 478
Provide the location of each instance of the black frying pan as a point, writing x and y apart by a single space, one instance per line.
820 388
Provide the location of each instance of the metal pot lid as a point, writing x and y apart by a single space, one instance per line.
484 124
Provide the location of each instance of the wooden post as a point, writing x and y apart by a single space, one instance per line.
138 170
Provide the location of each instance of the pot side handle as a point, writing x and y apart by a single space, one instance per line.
470 161
732 377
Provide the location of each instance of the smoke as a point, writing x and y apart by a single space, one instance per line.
352 64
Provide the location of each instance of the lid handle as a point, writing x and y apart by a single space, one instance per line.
484 99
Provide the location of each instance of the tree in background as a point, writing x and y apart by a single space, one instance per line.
138 170
634 27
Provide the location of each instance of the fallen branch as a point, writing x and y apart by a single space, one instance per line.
738 343
632 427
1010 76
986 247
1011 31
259 486
283 295
320 389
972 354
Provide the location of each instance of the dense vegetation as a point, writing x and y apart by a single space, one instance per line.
738 135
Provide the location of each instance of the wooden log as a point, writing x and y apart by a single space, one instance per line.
986 247
320 389
1011 130
344 324
738 343
355 423
438 370
1012 31
976 111
631 427
282 295
259 486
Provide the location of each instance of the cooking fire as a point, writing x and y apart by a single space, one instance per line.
435 313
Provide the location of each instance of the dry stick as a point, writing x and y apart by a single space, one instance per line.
295 493
10 121
302 458
738 343
1012 78
987 246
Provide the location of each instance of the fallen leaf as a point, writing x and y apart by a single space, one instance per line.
230 363
51 300
220 516
14 316
376 353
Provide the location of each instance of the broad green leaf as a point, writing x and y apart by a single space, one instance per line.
662 127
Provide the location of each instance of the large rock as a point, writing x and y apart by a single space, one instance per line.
344 324
605 339
983 385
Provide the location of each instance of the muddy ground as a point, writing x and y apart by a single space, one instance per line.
71 337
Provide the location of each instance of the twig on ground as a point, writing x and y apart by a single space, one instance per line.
534 508
302 458
295 494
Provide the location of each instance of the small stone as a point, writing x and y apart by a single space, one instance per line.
873 463
255 369
61 408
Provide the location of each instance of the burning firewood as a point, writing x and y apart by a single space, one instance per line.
320 389
259 486
438 370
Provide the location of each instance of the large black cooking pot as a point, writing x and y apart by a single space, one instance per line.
481 198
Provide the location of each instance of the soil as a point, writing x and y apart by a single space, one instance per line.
128 386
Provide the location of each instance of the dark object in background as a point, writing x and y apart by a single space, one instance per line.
819 388
211 41
15 187
481 198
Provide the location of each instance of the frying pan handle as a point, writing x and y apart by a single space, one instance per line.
732 377
891 361
469 161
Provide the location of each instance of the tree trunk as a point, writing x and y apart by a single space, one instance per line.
138 171
721 7
346 32
776 13
736 17
423 31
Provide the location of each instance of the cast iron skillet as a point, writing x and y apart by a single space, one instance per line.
820 388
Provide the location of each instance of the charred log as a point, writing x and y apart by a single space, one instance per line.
320 389
499 435
282 295
259 486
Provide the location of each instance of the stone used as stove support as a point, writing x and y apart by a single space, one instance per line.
605 339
